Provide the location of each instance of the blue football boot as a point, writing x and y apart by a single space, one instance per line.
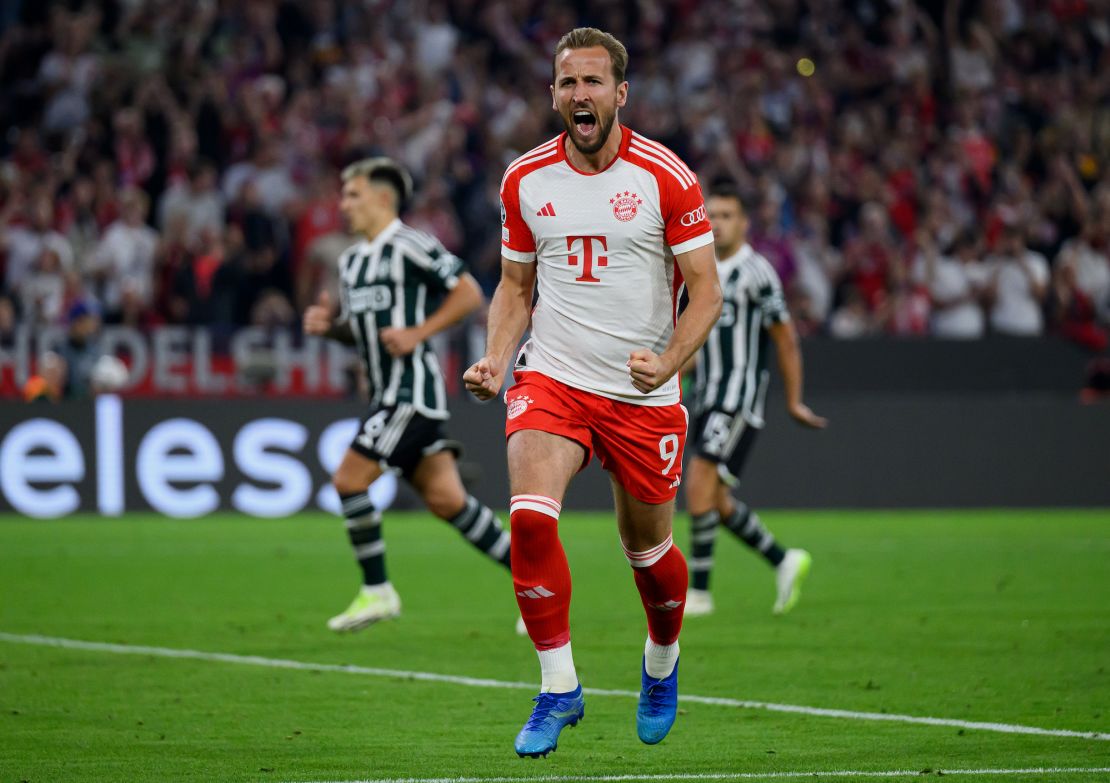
552 712
658 706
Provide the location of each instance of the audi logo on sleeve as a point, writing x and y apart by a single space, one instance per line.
693 217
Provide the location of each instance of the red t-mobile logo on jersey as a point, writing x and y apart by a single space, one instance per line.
588 257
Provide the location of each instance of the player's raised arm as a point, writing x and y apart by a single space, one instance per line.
699 269
508 318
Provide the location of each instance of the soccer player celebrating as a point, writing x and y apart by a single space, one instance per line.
731 387
397 287
609 224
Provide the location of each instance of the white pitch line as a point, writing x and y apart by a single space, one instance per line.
476 682
812 774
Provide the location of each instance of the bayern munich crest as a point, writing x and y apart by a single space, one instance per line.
518 406
625 205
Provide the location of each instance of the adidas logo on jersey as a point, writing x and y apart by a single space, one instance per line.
547 211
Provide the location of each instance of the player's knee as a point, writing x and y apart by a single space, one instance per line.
445 503
348 485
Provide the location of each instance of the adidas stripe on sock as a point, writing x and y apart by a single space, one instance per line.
747 526
703 537
364 528
483 529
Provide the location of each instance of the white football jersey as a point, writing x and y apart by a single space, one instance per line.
604 245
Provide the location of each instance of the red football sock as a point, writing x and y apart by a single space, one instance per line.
541 576
661 576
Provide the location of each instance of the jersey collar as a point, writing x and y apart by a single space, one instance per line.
739 256
386 233
622 151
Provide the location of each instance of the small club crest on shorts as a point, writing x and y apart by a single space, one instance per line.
625 206
518 406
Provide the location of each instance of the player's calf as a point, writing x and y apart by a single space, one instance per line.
661 577
541 575
480 526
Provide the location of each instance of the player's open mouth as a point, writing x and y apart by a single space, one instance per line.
584 122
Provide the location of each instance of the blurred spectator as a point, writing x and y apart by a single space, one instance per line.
81 349
42 291
26 244
67 73
1074 311
904 312
955 282
272 309
263 262
972 50
134 155
7 319
205 286
122 266
433 212
818 264
48 384
196 200
1085 261
265 172
1017 285
869 257
770 238
851 319
83 230
318 237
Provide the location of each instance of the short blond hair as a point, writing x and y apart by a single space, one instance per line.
586 37
382 171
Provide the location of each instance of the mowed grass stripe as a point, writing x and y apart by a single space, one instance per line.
476 682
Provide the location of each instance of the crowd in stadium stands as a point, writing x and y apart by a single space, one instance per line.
909 168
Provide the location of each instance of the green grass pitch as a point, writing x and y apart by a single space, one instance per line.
998 616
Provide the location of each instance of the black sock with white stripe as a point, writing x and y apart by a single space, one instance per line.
703 536
746 525
364 527
483 529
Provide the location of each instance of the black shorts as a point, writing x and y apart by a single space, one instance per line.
399 438
724 438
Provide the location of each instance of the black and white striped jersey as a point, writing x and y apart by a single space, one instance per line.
397 280
732 374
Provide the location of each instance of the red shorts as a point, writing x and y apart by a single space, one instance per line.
640 445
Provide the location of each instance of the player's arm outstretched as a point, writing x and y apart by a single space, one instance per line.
464 299
319 321
699 269
790 365
509 313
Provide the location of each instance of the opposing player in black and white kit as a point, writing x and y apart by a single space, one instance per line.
398 287
732 379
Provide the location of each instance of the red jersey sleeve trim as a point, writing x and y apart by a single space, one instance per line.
517 241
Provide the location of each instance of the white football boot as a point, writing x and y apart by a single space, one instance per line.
371 605
789 576
698 603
